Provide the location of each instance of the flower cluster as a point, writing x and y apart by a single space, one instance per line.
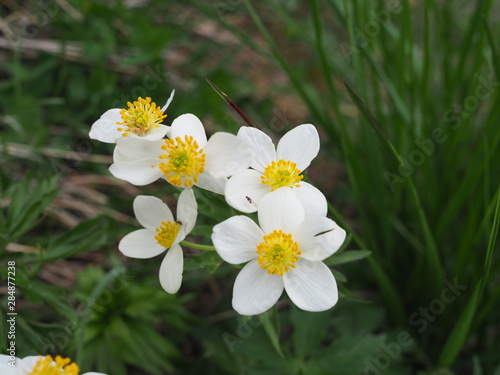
284 252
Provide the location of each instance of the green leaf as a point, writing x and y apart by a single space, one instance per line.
209 260
347 256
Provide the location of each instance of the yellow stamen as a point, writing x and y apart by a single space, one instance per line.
280 174
140 117
167 233
58 366
278 253
184 161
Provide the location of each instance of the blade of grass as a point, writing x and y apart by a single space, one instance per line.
395 159
459 334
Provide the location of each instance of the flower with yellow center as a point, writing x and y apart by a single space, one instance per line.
187 158
162 232
141 119
39 365
285 252
276 169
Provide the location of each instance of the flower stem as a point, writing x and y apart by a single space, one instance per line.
197 246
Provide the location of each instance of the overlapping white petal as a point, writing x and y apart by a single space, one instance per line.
151 212
311 286
244 190
171 270
300 145
255 291
226 155
261 146
280 210
236 239
189 124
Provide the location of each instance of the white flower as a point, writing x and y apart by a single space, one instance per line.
184 160
277 168
285 252
39 365
162 232
141 119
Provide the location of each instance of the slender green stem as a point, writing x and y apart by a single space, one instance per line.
197 246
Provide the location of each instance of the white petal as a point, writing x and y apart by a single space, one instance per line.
94 373
140 173
311 286
236 239
106 128
280 209
151 211
187 210
189 124
312 199
226 155
256 291
245 190
135 148
6 369
140 244
261 145
171 270
171 97
211 183
319 237
300 145
158 132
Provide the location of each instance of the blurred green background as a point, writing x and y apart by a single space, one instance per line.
406 95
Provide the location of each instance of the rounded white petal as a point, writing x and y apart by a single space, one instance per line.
140 172
211 183
255 290
158 132
171 270
189 124
312 199
151 211
319 237
311 286
280 209
261 145
300 145
93 373
236 239
106 128
245 190
6 369
226 155
187 210
140 244
134 148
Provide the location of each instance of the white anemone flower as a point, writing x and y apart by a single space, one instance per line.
162 232
39 365
184 160
274 169
284 253
142 119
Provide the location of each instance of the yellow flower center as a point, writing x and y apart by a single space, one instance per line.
59 366
278 253
184 161
167 233
280 174
140 117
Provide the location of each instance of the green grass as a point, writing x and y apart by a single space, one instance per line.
407 98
